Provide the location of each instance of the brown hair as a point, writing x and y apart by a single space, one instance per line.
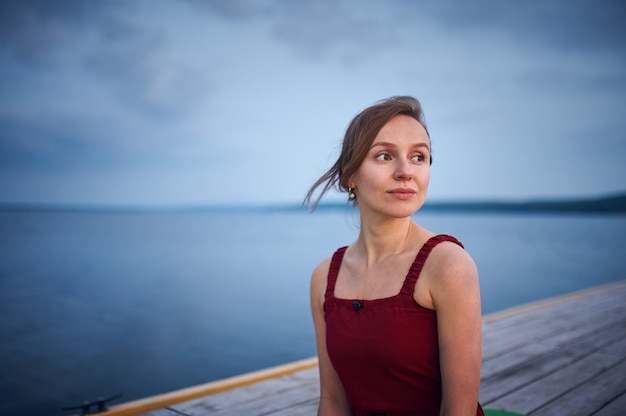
358 139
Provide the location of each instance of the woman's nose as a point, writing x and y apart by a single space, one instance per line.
403 170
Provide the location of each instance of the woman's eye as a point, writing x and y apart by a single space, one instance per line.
382 156
418 158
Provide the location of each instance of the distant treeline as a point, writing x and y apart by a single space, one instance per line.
612 204
615 204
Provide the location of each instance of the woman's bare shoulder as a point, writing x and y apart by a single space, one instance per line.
448 256
320 273
322 268
450 268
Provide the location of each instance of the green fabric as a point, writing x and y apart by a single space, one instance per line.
492 412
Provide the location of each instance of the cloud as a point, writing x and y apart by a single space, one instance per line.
328 30
316 29
64 149
249 99
571 25
236 9
107 91
147 75
100 43
33 29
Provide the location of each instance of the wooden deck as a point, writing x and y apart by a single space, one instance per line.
563 356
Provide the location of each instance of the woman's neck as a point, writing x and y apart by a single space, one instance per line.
381 239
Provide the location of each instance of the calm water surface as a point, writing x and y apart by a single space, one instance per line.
96 304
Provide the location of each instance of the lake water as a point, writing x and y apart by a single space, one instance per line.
98 304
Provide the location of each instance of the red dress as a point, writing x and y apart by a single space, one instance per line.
386 351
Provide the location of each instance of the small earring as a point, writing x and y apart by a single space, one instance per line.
351 194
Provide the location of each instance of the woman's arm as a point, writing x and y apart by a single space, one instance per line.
332 396
455 293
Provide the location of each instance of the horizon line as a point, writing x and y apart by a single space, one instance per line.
607 202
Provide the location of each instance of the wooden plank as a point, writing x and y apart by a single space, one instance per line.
570 321
545 330
168 399
614 408
268 404
551 326
537 394
588 398
303 409
608 304
617 348
507 373
255 395
515 358
509 379
161 412
527 310
559 307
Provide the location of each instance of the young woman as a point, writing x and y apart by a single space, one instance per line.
397 313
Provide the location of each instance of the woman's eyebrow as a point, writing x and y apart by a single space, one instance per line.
389 144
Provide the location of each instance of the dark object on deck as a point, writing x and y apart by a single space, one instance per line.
100 404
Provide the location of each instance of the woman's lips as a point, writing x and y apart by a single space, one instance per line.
402 193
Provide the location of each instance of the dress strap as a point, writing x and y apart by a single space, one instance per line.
333 271
416 268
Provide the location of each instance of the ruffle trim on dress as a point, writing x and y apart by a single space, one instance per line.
418 264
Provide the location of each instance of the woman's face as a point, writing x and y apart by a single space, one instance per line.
393 178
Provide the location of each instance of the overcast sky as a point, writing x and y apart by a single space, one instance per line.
160 102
